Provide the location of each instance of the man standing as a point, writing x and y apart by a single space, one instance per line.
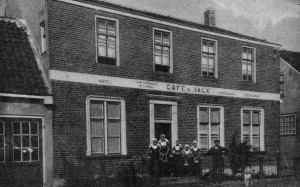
217 153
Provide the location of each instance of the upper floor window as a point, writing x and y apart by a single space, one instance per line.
288 124
281 83
106 129
43 37
106 41
253 127
210 126
208 62
248 64
162 51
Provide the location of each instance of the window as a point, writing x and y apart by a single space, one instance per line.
2 142
107 41
210 126
208 61
162 51
288 124
253 127
163 120
43 37
281 83
248 64
25 141
106 126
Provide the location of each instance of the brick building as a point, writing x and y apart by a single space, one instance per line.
289 110
121 77
25 109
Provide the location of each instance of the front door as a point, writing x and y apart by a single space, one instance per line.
21 161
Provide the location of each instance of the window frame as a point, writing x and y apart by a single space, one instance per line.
4 142
117 40
222 125
123 146
253 65
170 50
43 37
281 83
261 129
295 125
216 57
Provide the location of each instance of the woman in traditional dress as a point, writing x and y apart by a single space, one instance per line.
196 159
188 159
164 155
177 159
154 151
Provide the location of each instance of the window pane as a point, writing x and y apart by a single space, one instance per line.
245 56
205 46
204 129
204 115
204 143
255 142
111 47
97 145
1 127
256 129
215 116
113 110
249 69
113 145
101 45
158 37
16 127
204 60
1 155
244 67
215 129
25 142
211 47
246 117
101 26
211 60
166 39
113 128
250 54
96 109
246 129
213 138
255 118
162 112
158 54
166 56
1 141
17 141
34 141
97 128
26 155
25 127
111 28
35 154
17 154
34 128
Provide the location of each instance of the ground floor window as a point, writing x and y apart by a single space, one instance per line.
163 120
210 126
288 124
106 126
252 127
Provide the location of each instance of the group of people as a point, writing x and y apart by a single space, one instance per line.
183 160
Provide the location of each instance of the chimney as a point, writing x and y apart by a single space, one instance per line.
209 17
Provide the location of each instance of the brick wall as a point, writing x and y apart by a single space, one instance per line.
73 48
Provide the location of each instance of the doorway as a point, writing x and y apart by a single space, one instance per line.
163 128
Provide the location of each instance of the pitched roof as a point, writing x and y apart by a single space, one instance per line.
291 57
173 20
19 70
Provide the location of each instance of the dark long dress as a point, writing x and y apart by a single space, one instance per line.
154 152
196 161
177 160
164 158
188 161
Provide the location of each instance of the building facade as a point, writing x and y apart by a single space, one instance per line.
121 77
289 110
